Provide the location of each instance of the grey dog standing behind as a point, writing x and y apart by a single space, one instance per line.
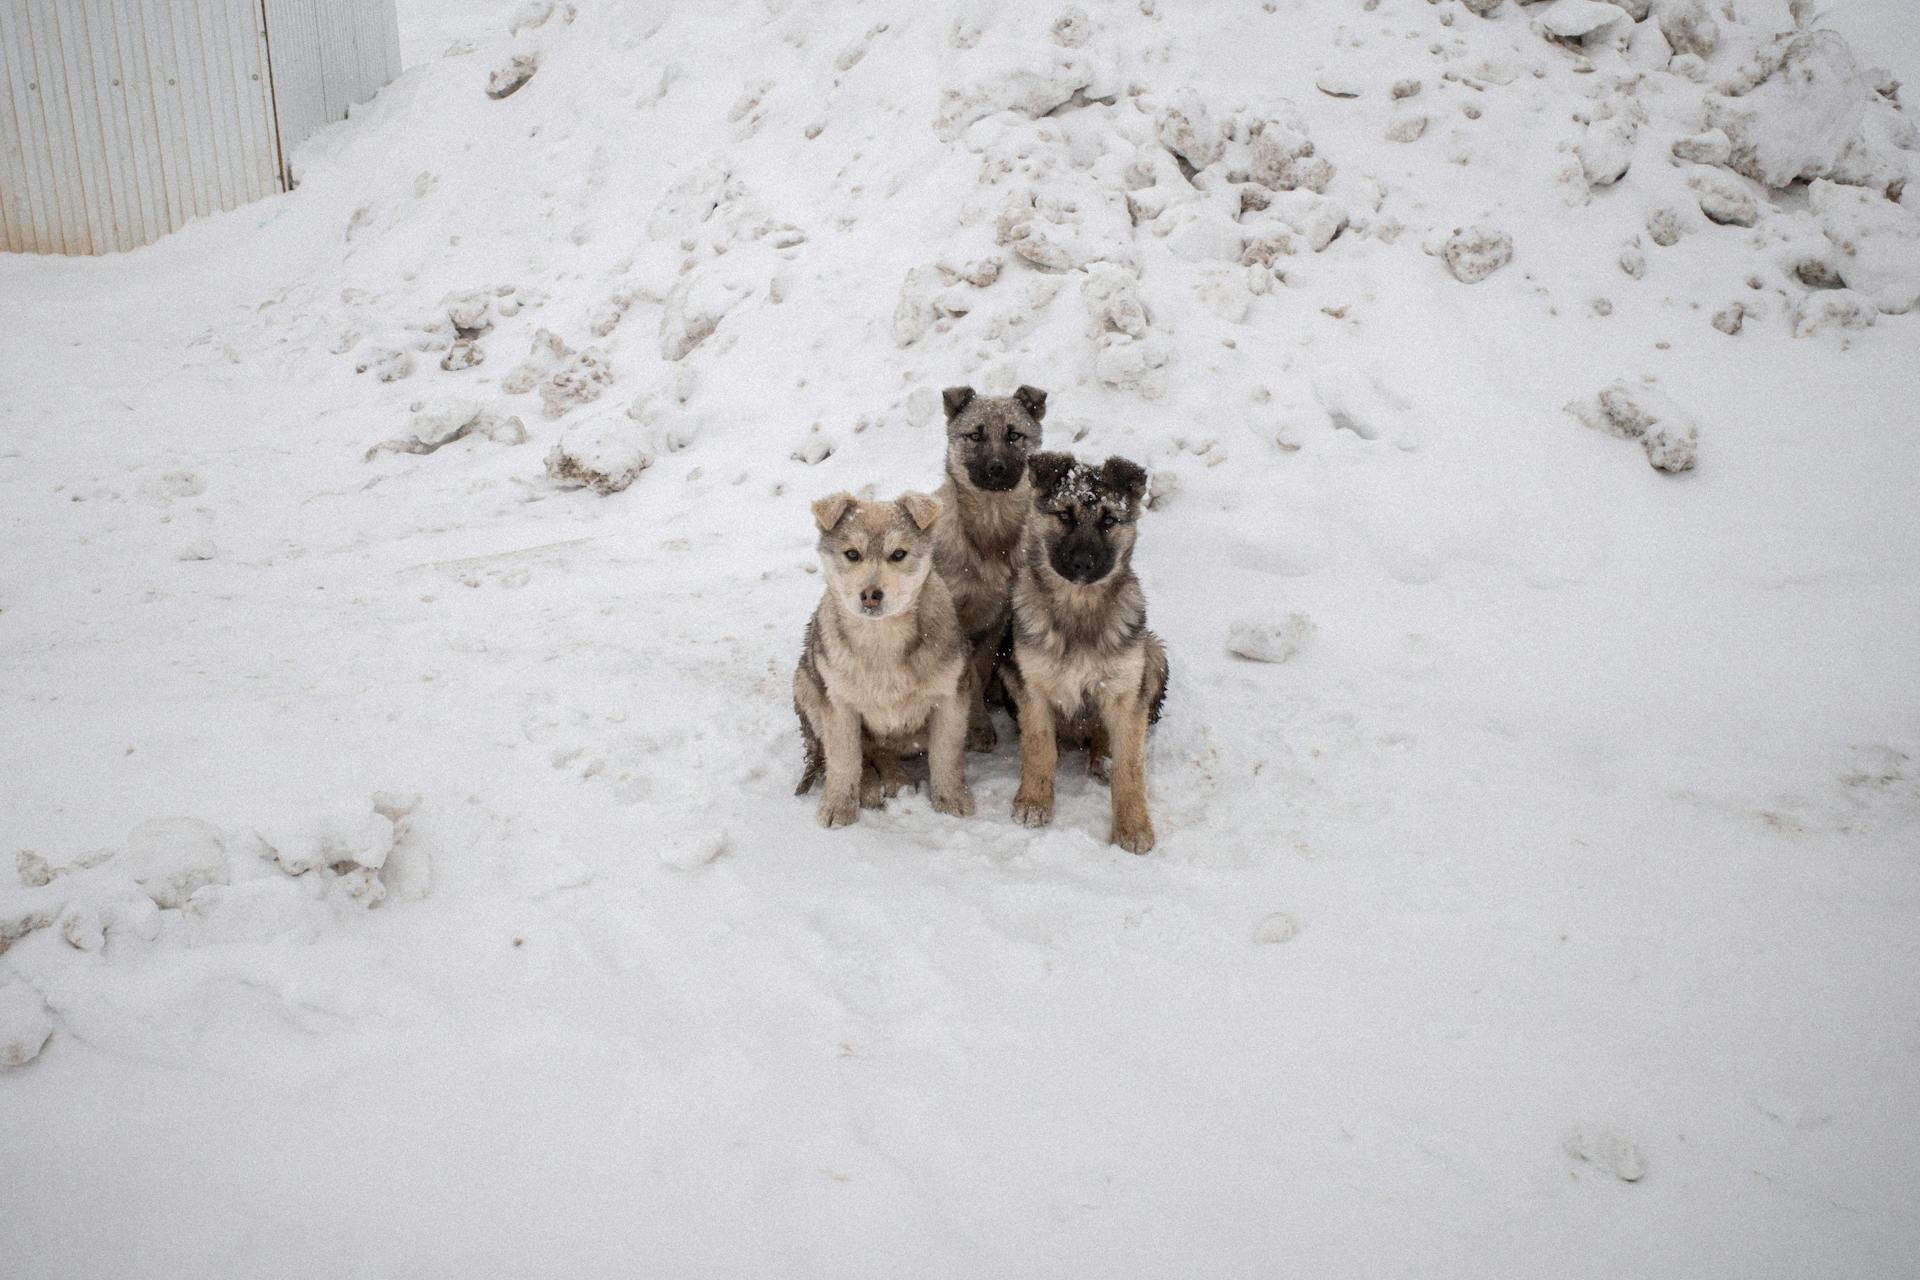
1079 660
983 517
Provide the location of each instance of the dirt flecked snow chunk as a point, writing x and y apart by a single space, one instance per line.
604 456
510 78
1723 199
1669 436
1474 253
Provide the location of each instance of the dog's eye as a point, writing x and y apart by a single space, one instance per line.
1065 518
1015 437
976 436
853 555
898 556
1107 521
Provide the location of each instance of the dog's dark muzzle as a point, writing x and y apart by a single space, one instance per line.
1082 560
995 475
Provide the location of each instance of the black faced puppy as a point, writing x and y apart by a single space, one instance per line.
983 516
1081 662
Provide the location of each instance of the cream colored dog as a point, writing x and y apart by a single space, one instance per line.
884 668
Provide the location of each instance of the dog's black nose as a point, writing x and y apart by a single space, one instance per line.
872 595
996 470
1081 565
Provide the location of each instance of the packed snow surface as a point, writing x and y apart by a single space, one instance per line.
404 575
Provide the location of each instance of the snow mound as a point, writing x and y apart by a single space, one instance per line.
1798 111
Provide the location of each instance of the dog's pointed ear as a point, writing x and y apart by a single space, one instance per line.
1046 470
828 510
1033 400
956 399
1127 477
920 509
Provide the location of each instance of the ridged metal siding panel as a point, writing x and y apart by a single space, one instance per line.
328 55
122 119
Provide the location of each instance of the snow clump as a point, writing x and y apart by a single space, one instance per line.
1669 436
605 456
1270 639
1474 253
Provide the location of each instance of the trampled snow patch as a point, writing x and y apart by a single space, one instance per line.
183 882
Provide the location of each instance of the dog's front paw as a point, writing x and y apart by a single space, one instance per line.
958 802
980 735
1134 838
1030 811
1100 768
872 792
838 811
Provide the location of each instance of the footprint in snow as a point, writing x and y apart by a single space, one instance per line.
1361 403
1608 1149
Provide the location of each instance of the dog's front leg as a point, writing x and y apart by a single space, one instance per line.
840 798
1039 758
947 754
1126 721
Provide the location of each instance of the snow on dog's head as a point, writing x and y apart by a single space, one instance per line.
1083 516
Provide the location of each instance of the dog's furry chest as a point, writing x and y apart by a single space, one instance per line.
976 548
894 690
1072 677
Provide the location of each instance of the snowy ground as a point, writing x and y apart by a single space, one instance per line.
1548 910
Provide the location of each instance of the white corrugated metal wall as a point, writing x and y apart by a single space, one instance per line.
122 119
328 55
